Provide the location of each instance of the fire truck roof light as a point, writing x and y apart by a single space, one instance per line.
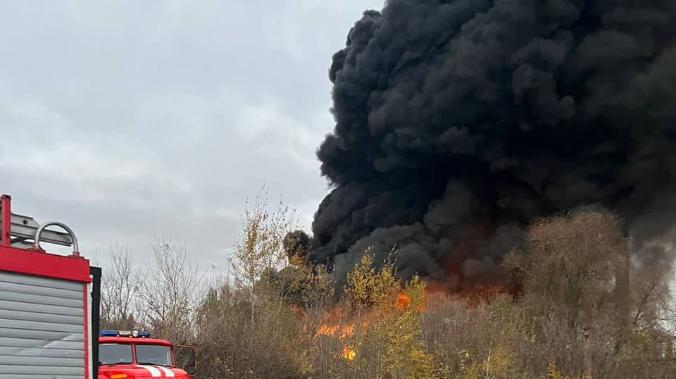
124 333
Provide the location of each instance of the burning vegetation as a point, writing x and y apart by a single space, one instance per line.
578 311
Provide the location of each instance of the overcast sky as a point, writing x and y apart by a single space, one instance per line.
132 119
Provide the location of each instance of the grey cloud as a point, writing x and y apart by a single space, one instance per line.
131 119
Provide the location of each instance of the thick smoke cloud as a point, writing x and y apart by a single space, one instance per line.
457 122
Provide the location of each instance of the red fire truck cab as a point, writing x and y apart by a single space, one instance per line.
134 355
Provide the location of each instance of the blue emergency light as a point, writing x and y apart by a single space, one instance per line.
124 333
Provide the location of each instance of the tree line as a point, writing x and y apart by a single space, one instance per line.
585 309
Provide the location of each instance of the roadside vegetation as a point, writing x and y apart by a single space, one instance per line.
584 310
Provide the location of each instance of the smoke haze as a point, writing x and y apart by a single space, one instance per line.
457 122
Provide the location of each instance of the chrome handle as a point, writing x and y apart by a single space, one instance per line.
36 244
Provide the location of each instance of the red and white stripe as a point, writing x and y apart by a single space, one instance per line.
158 371
167 372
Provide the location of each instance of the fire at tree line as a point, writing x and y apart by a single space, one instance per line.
567 304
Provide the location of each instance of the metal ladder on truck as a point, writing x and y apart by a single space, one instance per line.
49 303
23 229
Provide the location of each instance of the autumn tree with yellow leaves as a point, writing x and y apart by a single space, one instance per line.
388 342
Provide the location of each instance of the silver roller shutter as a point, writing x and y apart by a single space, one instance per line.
41 328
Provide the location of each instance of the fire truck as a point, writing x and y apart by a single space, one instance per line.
49 312
133 354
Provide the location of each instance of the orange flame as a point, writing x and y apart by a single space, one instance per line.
335 330
403 301
334 326
348 354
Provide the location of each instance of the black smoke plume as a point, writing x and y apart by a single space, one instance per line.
459 121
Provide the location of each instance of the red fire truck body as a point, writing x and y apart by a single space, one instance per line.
136 358
47 311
